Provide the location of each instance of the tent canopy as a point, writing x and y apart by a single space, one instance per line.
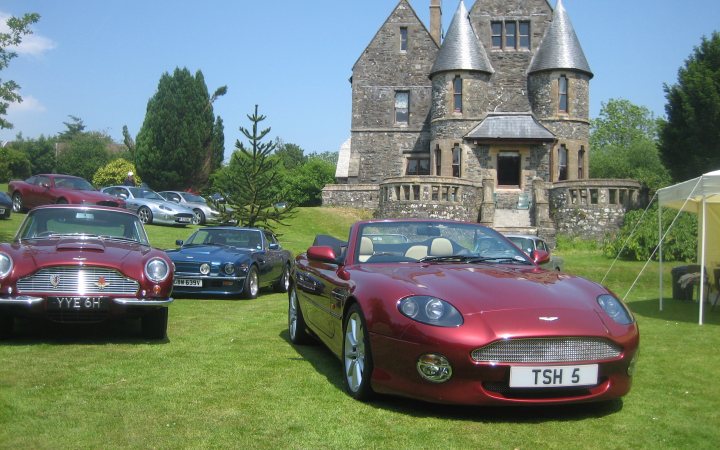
699 196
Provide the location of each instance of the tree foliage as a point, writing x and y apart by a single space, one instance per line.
174 148
114 172
304 184
84 154
690 139
40 152
14 164
623 141
17 28
638 237
248 181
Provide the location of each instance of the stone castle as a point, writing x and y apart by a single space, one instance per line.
488 122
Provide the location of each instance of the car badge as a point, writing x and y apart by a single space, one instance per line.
102 283
55 280
548 319
79 258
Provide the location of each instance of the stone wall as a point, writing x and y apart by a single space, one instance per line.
363 196
592 208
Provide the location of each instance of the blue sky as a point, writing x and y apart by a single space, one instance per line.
101 60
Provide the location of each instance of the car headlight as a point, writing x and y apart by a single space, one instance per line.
6 265
615 309
229 268
157 270
164 208
431 311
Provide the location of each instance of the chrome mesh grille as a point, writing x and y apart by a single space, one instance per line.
78 281
547 350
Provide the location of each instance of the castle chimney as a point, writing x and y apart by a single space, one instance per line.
436 20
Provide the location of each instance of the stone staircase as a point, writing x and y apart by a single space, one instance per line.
513 221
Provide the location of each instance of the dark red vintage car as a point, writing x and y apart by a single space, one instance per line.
84 264
46 189
453 312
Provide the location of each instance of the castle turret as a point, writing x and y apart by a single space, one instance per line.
558 87
460 76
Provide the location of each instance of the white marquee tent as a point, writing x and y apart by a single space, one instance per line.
700 196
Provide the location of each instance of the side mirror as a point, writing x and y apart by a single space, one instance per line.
274 246
179 242
540 256
322 253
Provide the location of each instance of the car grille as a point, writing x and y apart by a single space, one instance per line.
187 267
547 350
78 281
108 203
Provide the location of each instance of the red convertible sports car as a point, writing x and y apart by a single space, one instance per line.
84 264
453 312
45 189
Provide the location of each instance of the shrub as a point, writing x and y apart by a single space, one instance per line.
13 165
114 172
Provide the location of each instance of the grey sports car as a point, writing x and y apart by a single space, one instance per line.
529 243
203 212
150 206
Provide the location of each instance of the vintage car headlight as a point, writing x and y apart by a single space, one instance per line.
157 270
615 309
6 265
431 311
229 268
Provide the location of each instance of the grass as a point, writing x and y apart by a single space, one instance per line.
228 377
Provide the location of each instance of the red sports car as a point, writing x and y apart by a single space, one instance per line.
453 312
71 263
45 189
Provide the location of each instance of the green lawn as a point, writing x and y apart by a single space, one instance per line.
228 377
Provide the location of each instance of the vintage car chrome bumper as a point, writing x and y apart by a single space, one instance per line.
30 301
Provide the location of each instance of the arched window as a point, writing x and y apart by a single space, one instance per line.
562 163
458 94
457 161
581 163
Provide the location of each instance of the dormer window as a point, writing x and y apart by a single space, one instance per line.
458 94
403 39
563 94
510 34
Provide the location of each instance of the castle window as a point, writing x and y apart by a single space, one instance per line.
581 163
562 163
403 39
510 35
458 94
563 94
456 161
418 166
438 161
496 28
402 107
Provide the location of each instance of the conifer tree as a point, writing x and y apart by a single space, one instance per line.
247 181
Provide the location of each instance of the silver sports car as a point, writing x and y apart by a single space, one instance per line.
150 206
203 212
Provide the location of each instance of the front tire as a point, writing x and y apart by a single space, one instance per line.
145 215
17 202
297 329
357 357
283 284
198 217
154 324
252 284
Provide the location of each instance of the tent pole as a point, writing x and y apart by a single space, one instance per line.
660 254
701 300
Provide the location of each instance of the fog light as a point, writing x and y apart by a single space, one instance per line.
156 289
434 368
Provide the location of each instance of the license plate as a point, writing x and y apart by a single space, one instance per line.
553 376
77 303
187 282
2 210
184 219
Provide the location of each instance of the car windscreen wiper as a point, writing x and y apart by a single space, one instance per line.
476 259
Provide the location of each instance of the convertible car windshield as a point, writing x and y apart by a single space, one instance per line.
241 238
49 223
433 241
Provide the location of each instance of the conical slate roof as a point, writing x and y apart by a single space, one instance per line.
560 47
461 49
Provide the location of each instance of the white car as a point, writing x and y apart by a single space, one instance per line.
529 243
203 212
150 206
